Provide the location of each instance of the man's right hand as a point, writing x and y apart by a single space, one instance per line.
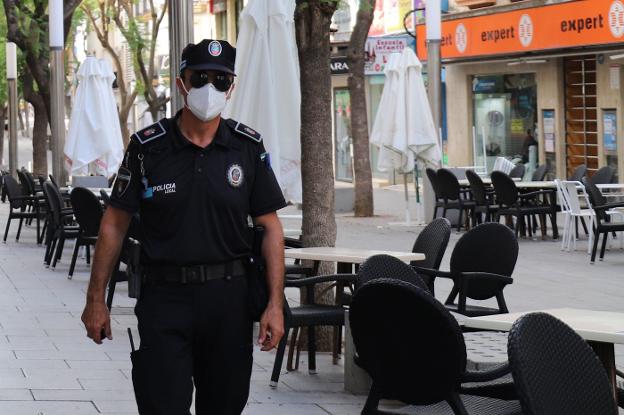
96 319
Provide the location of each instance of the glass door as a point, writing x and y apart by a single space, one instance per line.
343 144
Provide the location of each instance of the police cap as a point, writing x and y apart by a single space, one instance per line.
209 54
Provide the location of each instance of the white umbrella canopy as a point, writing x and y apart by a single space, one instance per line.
404 129
94 143
267 96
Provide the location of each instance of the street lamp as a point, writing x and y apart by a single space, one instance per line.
11 71
433 20
57 89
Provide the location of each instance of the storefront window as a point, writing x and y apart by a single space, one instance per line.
342 135
504 119
609 133
375 88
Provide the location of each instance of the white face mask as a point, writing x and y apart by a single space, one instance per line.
206 103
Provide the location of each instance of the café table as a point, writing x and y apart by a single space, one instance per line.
601 329
355 379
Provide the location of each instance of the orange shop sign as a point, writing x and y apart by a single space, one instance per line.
572 24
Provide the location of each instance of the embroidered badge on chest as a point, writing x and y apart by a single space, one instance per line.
235 176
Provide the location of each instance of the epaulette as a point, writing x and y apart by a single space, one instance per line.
242 129
152 132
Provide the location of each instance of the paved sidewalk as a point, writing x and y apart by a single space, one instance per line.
48 366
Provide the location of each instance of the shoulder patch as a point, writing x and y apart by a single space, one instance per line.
248 132
150 133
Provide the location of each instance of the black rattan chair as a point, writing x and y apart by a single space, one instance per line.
603 224
517 172
310 315
414 351
555 371
431 241
60 227
453 197
483 197
482 263
578 173
540 173
88 212
433 179
521 205
604 175
19 203
388 267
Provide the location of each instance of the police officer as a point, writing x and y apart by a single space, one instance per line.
195 179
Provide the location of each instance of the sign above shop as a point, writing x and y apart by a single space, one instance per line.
339 65
377 52
569 24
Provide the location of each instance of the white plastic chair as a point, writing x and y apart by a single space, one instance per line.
571 193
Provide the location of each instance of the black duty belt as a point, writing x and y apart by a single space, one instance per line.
194 274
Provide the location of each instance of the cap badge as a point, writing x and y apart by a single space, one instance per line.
235 175
215 48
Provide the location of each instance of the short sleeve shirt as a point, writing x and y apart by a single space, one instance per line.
194 203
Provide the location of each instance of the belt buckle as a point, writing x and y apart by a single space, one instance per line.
202 274
183 279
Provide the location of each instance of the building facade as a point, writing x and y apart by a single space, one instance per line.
534 69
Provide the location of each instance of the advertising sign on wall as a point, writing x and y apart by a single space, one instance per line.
609 126
569 24
378 50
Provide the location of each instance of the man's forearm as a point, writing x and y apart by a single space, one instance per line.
273 253
107 249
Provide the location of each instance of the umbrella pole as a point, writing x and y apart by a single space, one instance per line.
407 213
416 181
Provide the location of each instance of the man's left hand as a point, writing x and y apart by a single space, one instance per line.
271 327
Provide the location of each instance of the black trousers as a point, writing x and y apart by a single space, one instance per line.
197 335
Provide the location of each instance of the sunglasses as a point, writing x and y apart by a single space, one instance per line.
221 82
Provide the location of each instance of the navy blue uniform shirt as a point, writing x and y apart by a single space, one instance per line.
194 203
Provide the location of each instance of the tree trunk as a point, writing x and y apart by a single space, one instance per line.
312 20
40 140
359 116
40 127
3 115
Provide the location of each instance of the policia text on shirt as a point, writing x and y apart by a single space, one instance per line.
194 180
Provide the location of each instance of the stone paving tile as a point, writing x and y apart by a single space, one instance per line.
285 409
47 408
81 395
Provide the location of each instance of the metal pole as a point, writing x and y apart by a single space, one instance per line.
433 15
11 72
12 83
57 90
180 34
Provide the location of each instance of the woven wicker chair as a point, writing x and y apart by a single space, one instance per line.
414 351
433 179
431 241
521 205
453 196
481 266
555 371
603 224
517 172
388 267
483 197
604 175
88 211
578 173
540 173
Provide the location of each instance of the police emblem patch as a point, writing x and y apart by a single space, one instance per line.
235 175
122 182
215 48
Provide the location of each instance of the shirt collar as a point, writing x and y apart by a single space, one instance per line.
221 138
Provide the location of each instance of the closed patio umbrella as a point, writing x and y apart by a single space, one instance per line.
267 96
94 144
404 129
